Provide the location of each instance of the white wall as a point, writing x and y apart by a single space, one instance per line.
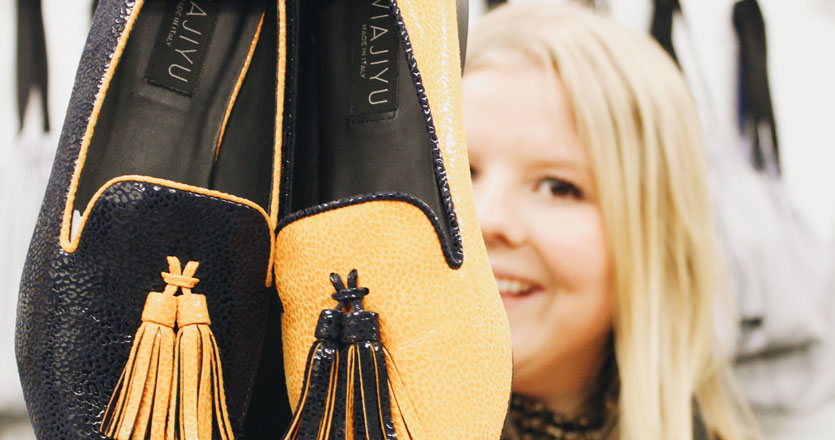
802 69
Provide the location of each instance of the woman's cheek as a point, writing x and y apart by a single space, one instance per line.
571 240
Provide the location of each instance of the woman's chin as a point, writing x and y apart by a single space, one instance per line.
531 321
527 373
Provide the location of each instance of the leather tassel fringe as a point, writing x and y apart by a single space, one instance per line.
316 416
201 395
174 384
346 386
366 362
143 393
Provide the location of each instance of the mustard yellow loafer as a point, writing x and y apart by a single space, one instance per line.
392 324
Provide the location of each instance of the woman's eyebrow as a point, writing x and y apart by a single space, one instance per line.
569 163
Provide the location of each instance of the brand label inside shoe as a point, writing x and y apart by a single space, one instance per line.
182 44
375 47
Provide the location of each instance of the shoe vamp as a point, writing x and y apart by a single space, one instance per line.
445 328
99 292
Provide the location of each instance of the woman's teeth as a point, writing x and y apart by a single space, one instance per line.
513 286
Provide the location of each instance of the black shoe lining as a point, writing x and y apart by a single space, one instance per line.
343 147
147 127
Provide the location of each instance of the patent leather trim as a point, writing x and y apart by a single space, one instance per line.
453 246
453 260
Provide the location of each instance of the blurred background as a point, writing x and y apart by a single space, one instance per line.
775 201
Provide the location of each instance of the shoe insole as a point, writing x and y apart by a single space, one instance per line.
360 129
166 104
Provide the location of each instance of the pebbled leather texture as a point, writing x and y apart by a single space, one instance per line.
78 311
446 329
444 325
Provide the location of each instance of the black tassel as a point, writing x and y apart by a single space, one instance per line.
366 366
317 408
366 362
345 381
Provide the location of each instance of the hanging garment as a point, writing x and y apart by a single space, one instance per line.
780 278
662 24
754 108
778 266
756 116
32 74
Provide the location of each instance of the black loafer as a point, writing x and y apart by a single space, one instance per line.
169 152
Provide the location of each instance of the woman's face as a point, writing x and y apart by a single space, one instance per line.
543 228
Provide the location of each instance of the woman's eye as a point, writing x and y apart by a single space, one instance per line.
554 187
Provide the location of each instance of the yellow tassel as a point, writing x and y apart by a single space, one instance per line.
143 392
202 399
168 378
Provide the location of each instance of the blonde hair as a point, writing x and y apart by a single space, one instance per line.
637 120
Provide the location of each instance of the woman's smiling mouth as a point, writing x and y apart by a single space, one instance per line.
514 289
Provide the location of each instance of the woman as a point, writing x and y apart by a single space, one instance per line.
589 179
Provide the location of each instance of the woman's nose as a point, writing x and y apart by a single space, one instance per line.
497 212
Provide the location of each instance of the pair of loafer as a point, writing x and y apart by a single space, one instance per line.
242 159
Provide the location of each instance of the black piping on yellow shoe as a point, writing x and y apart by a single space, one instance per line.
376 183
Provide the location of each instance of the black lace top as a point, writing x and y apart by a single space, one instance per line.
529 419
